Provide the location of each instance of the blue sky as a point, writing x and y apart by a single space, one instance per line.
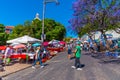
15 12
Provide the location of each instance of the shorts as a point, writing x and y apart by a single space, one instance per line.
69 51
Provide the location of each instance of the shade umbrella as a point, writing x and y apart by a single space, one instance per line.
85 41
54 42
13 44
36 44
109 36
2 47
45 43
62 42
19 46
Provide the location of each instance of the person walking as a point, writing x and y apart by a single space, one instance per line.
7 55
77 64
38 58
69 50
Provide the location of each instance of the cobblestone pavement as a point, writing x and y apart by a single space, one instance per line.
59 68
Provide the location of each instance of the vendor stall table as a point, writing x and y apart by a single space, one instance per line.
26 56
55 49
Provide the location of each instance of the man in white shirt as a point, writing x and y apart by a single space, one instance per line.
7 54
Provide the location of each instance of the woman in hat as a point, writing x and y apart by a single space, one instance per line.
38 58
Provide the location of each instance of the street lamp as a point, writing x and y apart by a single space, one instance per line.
44 6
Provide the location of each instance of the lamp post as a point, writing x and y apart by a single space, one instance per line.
44 7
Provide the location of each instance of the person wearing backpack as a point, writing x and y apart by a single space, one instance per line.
38 58
77 64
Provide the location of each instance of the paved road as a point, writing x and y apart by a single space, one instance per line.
59 68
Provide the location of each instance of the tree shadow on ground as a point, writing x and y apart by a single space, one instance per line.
87 53
110 61
98 56
104 59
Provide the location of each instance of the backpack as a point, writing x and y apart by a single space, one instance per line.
69 46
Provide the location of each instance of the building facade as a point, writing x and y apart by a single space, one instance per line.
9 29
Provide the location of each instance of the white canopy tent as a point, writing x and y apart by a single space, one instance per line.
24 39
53 42
115 35
97 35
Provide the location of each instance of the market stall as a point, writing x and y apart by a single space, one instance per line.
24 39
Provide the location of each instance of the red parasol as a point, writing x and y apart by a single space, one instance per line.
45 43
62 42
19 46
2 47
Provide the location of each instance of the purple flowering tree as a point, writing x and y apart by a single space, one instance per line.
95 15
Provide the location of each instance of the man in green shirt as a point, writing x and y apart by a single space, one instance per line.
77 57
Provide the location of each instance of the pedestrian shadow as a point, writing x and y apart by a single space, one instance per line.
82 65
110 61
72 58
46 64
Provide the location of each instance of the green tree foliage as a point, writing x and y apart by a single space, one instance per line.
67 39
2 28
52 29
16 32
3 38
3 35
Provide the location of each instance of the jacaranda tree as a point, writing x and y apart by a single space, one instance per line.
98 15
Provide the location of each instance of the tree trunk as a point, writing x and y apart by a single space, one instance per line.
103 33
105 37
90 36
